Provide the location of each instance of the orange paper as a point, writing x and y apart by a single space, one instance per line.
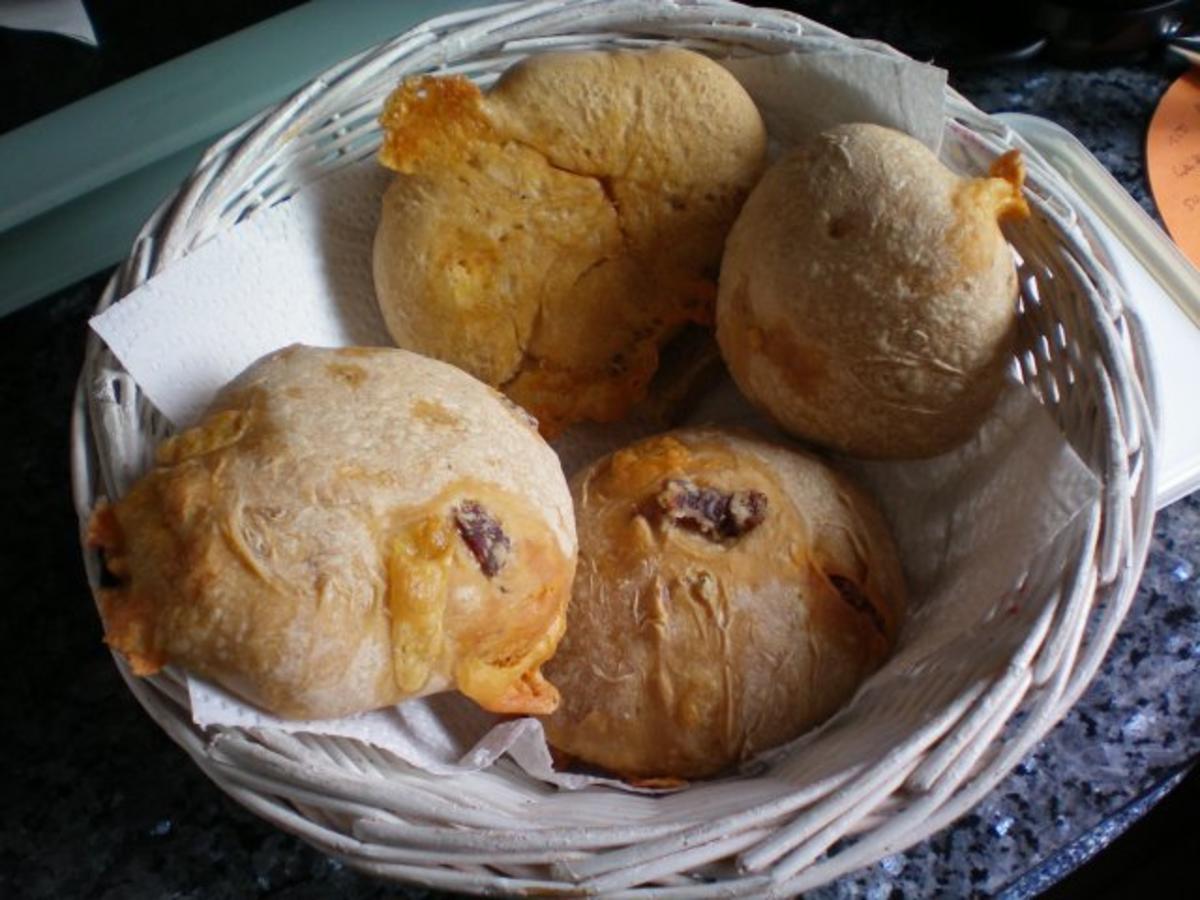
1173 162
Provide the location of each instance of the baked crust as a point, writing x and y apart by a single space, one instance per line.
689 647
343 530
550 235
867 296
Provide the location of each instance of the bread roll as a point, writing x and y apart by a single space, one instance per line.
730 595
343 530
550 235
867 293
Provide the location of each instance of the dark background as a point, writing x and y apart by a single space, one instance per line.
56 826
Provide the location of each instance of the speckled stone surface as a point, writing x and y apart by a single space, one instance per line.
97 802
1130 734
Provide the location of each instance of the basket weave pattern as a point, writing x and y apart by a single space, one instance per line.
925 740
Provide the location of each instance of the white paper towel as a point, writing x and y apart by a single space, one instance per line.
301 272
801 94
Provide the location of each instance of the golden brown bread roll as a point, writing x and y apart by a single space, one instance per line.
867 293
550 235
730 594
343 530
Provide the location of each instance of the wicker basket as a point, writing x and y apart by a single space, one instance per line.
918 751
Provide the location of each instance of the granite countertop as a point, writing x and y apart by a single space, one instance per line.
98 802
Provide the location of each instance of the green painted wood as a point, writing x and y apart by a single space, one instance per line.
86 234
75 185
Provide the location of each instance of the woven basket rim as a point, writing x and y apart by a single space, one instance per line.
779 848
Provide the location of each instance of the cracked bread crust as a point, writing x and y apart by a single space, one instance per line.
731 593
550 235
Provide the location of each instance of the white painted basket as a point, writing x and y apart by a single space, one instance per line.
920 745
